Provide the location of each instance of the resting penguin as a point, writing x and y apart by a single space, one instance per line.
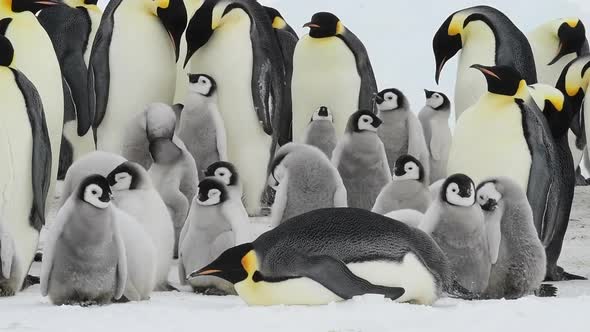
518 256
216 223
401 132
85 261
456 223
234 42
133 63
36 58
320 131
304 180
346 81
435 122
361 161
332 255
24 181
409 189
487 37
201 127
135 195
228 174
525 143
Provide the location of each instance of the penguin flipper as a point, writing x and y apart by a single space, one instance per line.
365 70
122 266
76 77
288 41
417 143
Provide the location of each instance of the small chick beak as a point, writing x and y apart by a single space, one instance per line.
311 25
490 205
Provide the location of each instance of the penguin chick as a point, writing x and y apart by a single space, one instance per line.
361 160
517 254
401 132
409 189
201 126
457 224
320 131
304 180
435 122
85 261
409 217
227 173
134 194
216 222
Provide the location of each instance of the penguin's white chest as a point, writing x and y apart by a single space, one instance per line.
324 74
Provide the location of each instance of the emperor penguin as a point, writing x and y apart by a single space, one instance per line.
401 131
408 190
85 261
72 28
201 127
132 64
216 223
234 42
331 68
437 133
228 174
320 131
304 180
335 254
135 194
456 223
511 130
485 36
25 152
361 160
512 240
37 60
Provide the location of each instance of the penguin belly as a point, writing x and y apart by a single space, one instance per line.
228 58
199 134
16 191
394 134
324 74
140 73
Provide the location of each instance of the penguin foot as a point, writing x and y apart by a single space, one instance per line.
210 291
30 281
38 256
6 291
546 290
559 274
167 288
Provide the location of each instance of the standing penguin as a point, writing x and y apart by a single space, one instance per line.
512 240
435 122
408 190
234 42
456 223
133 63
320 131
228 174
331 67
216 223
201 127
24 181
361 161
401 132
487 37
305 180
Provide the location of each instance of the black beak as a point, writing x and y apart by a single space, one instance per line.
399 171
379 99
377 122
571 40
206 271
487 71
490 205
199 29
174 20
445 46
311 25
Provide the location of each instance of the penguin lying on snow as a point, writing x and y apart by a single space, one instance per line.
320 131
435 122
332 255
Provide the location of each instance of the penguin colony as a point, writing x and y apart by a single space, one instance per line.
169 144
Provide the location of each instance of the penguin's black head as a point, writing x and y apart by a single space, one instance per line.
446 43
458 190
211 192
570 84
32 5
224 171
172 14
95 190
6 51
488 195
277 20
408 168
124 177
322 114
390 100
438 101
363 121
202 84
502 80
572 39
324 25
555 107
233 265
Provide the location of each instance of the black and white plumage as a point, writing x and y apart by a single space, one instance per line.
437 133
320 131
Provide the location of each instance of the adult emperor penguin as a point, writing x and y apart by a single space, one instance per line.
487 37
512 240
361 161
133 64
332 255
31 44
233 42
305 180
401 131
228 174
331 68
437 133
216 223
320 131
24 181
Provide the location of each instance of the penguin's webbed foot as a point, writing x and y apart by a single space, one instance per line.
39 256
546 290
559 274
167 288
31 281
6 291
210 291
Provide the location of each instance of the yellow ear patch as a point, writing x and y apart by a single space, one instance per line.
250 262
6 4
522 88
572 22
163 4
278 23
456 25
340 28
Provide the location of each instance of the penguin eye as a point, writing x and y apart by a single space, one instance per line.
94 192
390 98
